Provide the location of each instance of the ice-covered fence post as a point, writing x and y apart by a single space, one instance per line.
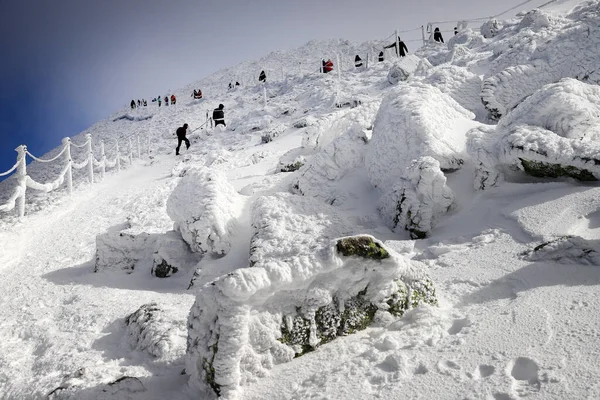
339 69
423 34
397 43
148 150
88 136
22 178
265 96
282 77
118 157
102 160
139 151
69 174
130 152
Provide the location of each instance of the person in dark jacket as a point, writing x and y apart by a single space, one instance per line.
181 133
262 77
166 100
357 61
455 30
132 104
399 52
237 83
219 115
380 56
327 66
437 35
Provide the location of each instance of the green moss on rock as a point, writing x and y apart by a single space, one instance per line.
292 167
541 169
422 291
362 246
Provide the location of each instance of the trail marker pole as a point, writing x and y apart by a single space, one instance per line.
69 175
118 157
139 150
22 174
88 136
103 160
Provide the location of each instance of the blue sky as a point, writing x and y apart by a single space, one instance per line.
66 64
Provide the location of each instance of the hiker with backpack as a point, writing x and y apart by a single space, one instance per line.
262 77
358 61
219 115
166 101
327 66
437 36
181 137
173 99
132 104
399 46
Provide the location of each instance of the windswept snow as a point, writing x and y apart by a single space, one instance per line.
329 243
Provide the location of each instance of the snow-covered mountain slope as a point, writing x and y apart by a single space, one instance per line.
274 259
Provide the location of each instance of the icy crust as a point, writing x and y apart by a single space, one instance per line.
574 52
204 207
418 200
308 283
551 134
318 179
415 120
149 329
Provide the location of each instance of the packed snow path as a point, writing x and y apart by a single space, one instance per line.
57 315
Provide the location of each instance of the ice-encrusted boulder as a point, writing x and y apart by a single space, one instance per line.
150 329
458 82
122 250
172 254
307 284
490 28
205 207
574 51
553 133
418 199
320 177
403 69
273 132
322 132
416 120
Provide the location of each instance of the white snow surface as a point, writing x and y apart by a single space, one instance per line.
515 320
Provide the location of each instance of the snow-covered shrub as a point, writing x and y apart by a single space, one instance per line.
204 207
403 69
490 28
418 199
303 122
535 20
292 160
482 147
553 133
150 329
307 284
171 254
415 120
571 52
328 167
458 82
122 250
566 250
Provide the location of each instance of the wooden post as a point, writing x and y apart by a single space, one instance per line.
22 178
69 175
88 136
423 34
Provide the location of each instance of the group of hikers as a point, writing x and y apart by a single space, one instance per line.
159 100
218 117
140 103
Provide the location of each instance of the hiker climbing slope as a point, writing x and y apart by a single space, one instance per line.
181 137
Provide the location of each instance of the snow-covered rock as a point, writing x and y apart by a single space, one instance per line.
318 179
403 68
553 133
151 330
490 28
204 207
566 250
122 250
416 120
418 199
458 82
307 284
572 52
171 255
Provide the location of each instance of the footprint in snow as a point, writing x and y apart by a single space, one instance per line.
525 376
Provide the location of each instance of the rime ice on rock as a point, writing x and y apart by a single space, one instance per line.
172 254
307 284
122 250
572 52
403 69
150 329
330 165
553 133
418 199
415 120
204 207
